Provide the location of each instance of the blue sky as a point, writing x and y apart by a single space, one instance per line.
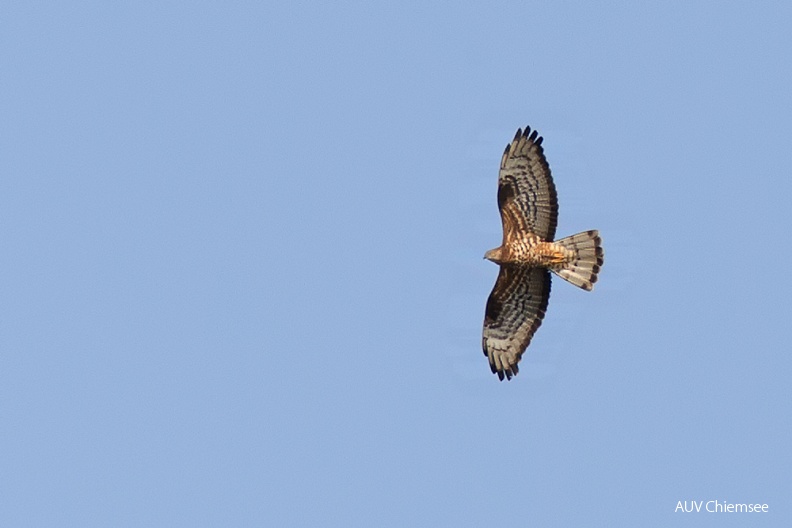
242 279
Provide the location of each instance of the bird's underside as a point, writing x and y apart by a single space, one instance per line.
530 250
529 212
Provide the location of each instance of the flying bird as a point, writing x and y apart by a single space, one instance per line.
529 212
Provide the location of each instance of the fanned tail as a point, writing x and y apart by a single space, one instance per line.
582 270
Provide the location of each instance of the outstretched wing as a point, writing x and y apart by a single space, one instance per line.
515 310
526 193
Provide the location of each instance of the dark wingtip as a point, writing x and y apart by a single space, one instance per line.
507 374
517 135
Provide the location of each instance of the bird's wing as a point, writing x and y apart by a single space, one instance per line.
515 310
526 193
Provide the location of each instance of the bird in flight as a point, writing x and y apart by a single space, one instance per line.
529 212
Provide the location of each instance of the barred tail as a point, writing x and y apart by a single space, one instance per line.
582 270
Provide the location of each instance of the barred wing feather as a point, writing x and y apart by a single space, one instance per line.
526 188
515 310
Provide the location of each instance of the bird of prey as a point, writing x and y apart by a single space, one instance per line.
529 212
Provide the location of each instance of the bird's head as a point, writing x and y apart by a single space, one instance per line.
494 255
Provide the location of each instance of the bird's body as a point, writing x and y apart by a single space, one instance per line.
530 250
529 212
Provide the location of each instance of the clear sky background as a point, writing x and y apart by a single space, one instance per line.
241 277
